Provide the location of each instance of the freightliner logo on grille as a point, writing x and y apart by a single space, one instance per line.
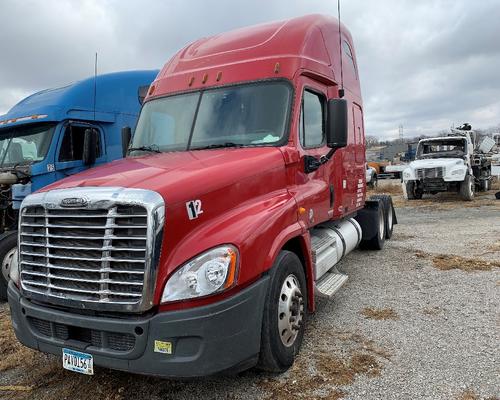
74 202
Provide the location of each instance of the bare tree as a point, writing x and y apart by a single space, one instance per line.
371 141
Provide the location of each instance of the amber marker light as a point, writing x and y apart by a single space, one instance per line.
231 274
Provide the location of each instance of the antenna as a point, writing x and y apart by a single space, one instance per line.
341 91
95 81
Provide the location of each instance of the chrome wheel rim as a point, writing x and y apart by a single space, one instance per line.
290 310
7 262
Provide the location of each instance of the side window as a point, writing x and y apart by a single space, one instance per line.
312 120
72 144
348 53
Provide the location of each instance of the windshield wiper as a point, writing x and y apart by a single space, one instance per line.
218 146
153 148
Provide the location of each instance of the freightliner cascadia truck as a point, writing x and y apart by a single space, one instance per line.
203 250
43 139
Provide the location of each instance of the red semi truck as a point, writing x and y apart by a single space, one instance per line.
203 250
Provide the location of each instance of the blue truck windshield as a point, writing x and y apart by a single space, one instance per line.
25 144
245 115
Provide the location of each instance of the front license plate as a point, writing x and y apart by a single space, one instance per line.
78 362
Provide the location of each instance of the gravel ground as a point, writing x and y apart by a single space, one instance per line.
399 329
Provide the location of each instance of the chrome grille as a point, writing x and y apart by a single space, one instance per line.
436 172
100 255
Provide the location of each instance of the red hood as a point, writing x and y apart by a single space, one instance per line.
179 176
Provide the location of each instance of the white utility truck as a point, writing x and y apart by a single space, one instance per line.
449 164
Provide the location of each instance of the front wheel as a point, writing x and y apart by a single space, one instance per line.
284 314
467 188
8 250
410 190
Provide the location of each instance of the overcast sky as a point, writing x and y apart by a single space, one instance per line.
425 65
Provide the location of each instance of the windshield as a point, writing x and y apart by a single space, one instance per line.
446 148
244 115
25 144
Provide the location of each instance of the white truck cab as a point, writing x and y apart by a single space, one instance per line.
447 163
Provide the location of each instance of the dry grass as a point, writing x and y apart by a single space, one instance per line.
380 313
321 374
327 373
449 262
12 353
471 395
431 310
468 395
390 188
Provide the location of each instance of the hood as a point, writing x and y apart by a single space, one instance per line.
436 162
180 176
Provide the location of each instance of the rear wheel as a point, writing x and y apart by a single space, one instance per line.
377 242
8 250
467 188
389 213
284 314
484 183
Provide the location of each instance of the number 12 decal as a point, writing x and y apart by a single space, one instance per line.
194 209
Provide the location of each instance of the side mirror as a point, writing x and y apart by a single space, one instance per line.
89 147
336 124
126 136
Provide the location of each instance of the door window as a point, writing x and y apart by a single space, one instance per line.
312 120
72 144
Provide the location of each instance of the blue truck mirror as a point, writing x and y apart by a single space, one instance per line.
89 147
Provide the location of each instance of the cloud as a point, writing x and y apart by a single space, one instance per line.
425 65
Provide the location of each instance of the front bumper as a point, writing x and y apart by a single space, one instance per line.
204 340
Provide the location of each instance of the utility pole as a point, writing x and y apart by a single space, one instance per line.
401 134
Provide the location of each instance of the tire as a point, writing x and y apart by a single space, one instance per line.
377 242
410 190
467 188
389 213
286 298
484 181
373 182
8 244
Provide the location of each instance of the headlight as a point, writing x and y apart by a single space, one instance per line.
406 175
213 271
457 172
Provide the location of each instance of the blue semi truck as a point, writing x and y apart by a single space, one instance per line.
59 132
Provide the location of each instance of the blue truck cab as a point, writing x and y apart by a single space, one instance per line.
59 132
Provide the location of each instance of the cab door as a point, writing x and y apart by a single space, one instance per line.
69 154
314 195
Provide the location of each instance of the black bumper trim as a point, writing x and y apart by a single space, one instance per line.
205 340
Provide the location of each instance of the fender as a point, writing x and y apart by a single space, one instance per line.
258 228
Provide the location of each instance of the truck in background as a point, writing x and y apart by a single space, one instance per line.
203 250
59 132
453 163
